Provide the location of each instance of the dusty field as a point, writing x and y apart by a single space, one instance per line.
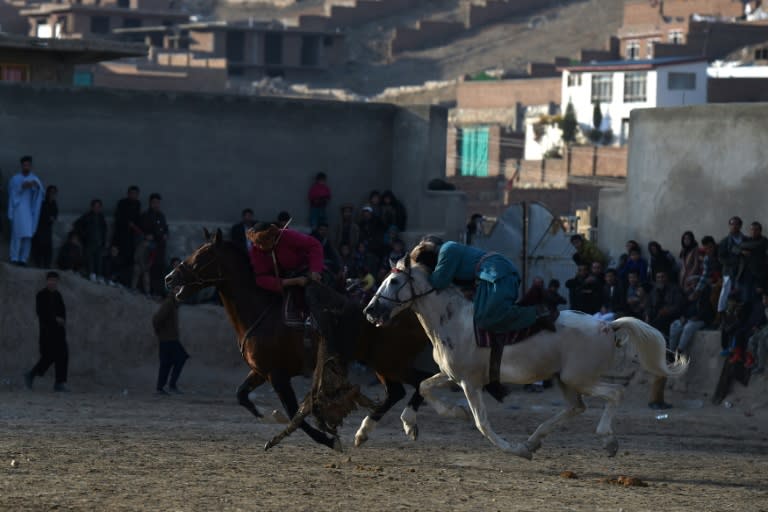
102 450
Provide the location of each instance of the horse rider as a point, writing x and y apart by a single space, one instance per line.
497 283
283 258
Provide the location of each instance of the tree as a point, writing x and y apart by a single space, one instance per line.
569 124
597 119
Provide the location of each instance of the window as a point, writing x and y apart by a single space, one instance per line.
310 51
131 23
602 87
474 151
681 81
676 36
14 73
44 30
761 54
635 87
235 46
574 79
99 25
633 50
273 48
82 79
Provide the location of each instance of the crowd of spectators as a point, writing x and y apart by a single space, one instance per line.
705 285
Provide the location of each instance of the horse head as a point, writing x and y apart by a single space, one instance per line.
405 284
202 269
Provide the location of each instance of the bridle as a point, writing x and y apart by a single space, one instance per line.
185 270
408 282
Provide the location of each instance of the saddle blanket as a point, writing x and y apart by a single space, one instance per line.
486 339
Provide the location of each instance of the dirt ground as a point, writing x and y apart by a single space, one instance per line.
106 449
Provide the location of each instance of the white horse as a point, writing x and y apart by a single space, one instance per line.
575 356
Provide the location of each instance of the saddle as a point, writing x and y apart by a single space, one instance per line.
295 309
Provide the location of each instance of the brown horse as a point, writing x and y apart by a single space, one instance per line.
275 353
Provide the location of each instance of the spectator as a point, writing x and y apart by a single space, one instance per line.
319 196
575 285
371 232
347 232
709 279
396 253
754 321
731 258
92 228
331 259
535 294
758 343
392 211
283 219
127 230
374 201
552 297
71 254
586 252
666 302
143 259
689 262
42 242
636 298
592 291
347 261
153 223
172 353
25 198
696 314
631 244
112 265
634 263
661 261
754 249
51 316
612 298
237 233
364 260
474 227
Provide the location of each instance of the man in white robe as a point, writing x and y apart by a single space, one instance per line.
25 197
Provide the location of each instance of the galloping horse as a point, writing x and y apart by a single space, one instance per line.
575 356
275 352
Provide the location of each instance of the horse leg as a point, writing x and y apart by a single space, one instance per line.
474 396
408 417
574 407
612 394
441 380
394 393
252 381
281 382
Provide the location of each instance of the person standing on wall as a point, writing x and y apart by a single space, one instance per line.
42 242
25 198
51 315
153 223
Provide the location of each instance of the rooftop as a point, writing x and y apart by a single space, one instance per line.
620 65
44 9
96 49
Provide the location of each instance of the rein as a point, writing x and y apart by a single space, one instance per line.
196 275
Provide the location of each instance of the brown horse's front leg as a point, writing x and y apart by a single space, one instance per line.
251 382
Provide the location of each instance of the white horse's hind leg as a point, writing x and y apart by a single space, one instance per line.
411 428
366 427
477 405
427 388
612 394
575 406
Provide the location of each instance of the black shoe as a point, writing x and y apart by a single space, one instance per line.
29 377
497 390
161 392
60 387
175 390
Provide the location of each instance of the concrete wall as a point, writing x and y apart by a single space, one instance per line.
689 168
210 156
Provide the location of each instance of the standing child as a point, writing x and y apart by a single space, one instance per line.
319 197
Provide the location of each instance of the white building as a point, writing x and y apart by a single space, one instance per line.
622 86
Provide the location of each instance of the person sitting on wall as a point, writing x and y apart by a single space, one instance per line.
586 252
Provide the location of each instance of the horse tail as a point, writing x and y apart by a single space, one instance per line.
651 347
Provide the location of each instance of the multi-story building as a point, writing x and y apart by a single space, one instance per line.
622 86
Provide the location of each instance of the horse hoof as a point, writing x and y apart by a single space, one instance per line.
522 450
268 445
533 447
360 439
413 433
611 447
